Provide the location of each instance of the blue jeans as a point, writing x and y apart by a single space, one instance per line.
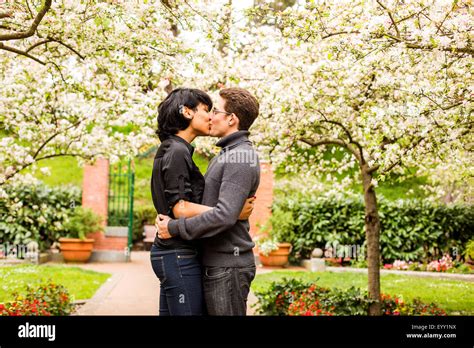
179 272
226 289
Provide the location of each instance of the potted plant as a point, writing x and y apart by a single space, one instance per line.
273 253
75 247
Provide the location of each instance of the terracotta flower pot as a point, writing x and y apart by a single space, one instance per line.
277 258
76 250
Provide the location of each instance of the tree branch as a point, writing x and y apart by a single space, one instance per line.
162 52
53 136
373 169
34 26
414 144
16 171
52 39
467 50
339 33
391 17
32 47
67 46
360 155
331 141
431 47
20 52
5 15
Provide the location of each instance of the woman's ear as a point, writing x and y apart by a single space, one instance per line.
186 112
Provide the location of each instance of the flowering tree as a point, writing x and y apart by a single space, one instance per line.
81 79
388 83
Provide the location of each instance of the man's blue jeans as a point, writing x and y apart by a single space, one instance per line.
180 277
226 289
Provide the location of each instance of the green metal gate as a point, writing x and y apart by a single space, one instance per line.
121 187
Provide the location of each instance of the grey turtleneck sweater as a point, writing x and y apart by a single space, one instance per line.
232 177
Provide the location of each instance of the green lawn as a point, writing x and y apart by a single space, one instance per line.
81 284
64 171
454 296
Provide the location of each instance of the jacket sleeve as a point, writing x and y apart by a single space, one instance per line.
176 176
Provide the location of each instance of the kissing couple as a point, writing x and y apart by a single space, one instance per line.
202 253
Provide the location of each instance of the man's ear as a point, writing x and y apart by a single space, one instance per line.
234 120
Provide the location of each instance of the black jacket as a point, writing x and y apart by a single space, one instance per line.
175 176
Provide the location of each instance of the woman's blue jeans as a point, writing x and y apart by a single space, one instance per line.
180 275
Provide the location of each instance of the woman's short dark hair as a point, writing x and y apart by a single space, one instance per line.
170 117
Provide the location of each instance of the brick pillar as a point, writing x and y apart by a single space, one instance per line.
95 195
262 210
95 187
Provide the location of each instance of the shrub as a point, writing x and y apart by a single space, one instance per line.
46 299
308 303
460 267
394 305
82 222
36 213
410 229
278 297
469 250
143 215
295 297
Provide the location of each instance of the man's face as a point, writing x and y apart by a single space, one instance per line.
219 119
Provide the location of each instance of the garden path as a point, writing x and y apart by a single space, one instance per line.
133 288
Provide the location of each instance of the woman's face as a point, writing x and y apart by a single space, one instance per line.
201 119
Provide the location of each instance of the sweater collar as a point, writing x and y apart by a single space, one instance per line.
233 139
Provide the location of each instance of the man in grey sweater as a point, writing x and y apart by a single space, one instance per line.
232 177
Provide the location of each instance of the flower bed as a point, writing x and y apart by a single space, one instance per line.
445 264
295 297
46 300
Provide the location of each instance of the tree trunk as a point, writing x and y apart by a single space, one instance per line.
372 230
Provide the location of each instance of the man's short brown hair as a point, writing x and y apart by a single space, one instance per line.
243 104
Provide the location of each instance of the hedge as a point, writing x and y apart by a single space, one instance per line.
411 230
36 212
39 213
